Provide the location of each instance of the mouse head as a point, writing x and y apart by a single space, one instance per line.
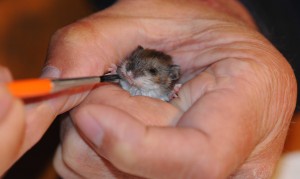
150 69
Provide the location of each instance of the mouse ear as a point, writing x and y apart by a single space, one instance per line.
174 72
140 48
137 51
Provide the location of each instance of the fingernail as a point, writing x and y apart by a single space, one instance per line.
50 72
90 127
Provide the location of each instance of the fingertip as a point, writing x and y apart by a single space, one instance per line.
57 161
5 75
113 133
60 166
89 124
50 72
95 121
6 101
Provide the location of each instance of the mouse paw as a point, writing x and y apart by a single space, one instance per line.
174 92
112 69
177 88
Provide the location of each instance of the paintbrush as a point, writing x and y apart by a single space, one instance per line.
30 88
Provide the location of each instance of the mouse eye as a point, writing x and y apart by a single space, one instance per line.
153 71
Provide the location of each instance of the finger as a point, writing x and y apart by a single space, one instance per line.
137 149
140 107
5 75
60 166
6 102
75 159
91 45
227 102
12 128
67 161
41 113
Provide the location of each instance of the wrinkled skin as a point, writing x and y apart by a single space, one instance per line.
231 116
232 113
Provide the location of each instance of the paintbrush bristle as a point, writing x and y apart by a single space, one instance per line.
109 78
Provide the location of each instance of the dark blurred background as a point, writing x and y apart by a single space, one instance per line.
279 21
27 25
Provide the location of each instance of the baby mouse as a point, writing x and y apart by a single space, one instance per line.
149 72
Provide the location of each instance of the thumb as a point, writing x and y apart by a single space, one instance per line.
147 151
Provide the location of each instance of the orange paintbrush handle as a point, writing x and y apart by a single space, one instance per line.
30 88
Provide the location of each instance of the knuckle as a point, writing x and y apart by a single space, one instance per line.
72 34
127 158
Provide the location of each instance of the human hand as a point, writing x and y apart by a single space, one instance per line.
232 113
21 125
